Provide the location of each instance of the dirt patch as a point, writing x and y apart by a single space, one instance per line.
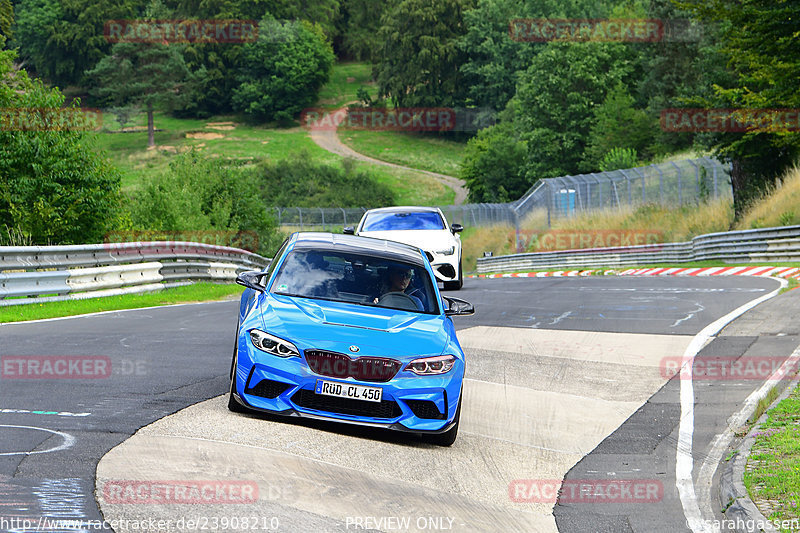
224 126
205 135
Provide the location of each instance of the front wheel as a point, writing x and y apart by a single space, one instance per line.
234 405
457 283
448 437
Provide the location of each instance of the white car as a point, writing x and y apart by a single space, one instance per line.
423 227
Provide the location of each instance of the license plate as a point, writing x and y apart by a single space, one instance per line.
347 390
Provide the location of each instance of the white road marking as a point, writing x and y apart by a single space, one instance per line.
684 461
69 440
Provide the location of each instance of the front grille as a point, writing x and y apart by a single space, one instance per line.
267 388
425 409
339 365
346 406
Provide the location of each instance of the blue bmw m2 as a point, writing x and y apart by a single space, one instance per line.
351 329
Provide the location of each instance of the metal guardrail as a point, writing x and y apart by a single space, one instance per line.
32 274
780 244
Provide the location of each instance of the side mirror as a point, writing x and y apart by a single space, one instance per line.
456 228
251 279
349 230
457 306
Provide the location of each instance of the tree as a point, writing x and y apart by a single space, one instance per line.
493 59
280 75
759 39
359 23
493 165
322 12
6 21
617 124
420 56
54 188
150 75
64 38
556 100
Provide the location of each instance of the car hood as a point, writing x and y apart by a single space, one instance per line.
336 326
428 240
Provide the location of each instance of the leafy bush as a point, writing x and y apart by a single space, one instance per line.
283 71
303 183
54 189
618 158
200 194
492 166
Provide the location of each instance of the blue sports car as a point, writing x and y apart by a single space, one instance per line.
351 329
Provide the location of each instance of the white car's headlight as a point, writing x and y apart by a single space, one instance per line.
428 366
274 345
447 251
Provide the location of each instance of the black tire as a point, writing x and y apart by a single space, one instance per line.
234 405
457 283
448 437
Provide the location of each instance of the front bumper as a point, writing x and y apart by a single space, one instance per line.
451 261
420 404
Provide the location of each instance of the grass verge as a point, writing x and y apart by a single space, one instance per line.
772 476
425 152
197 292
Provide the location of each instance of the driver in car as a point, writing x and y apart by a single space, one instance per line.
398 281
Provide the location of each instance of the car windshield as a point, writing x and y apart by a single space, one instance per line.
356 278
388 221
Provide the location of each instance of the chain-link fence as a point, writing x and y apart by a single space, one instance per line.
689 181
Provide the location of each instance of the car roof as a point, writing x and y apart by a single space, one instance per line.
336 242
405 209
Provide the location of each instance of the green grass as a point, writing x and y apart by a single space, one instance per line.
246 142
773 470
344 84
425 152
197 292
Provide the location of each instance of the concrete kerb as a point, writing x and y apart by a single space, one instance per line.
735 501
762 271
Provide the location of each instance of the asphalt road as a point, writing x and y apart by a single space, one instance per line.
53 432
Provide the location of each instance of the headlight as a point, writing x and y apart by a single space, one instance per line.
428 366
274 345
448 251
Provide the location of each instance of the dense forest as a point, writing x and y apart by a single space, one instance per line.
558 107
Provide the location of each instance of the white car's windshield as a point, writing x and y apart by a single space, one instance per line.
389 221
356 278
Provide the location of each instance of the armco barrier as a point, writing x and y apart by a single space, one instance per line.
781 244
31 274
